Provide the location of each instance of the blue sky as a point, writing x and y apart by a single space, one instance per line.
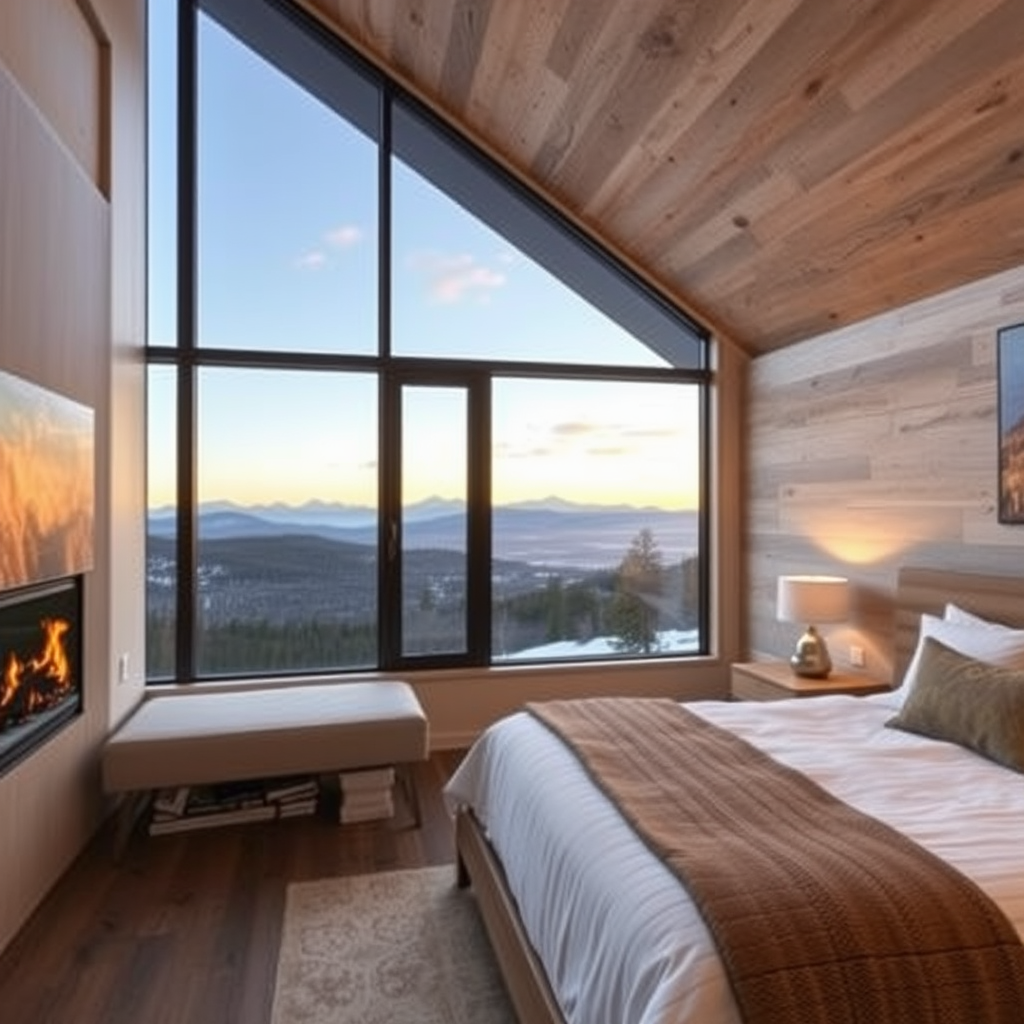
288 259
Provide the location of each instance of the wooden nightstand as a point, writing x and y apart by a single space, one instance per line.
774 680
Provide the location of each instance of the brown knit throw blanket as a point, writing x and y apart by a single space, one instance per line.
821 914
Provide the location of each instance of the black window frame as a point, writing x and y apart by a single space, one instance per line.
299 46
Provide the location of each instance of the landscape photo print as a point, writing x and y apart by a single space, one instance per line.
46 484
1010 356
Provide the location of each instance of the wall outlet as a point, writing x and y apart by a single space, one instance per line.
122 668
856 656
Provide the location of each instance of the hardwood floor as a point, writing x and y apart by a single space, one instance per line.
186 928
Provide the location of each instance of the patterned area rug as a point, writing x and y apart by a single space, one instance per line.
403 947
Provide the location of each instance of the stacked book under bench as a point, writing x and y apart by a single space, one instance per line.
189 808
366 795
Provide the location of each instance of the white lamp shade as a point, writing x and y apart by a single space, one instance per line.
812 599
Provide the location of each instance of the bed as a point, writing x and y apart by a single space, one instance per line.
590 926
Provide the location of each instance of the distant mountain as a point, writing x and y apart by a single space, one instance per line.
552 530
589 536
341 514
312 513
554 504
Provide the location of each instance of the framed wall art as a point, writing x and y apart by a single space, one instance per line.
46 484
1010 363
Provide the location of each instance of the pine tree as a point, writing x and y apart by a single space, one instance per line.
633 614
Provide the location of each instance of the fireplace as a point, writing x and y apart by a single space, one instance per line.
40 664
47 452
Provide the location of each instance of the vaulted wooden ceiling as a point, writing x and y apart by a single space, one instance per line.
780 167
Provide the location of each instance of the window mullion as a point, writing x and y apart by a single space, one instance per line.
389 561
389 540
479 601
187 526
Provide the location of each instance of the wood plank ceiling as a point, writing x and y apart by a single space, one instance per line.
779 167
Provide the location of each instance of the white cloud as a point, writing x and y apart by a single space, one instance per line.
574 428
344 236
454 278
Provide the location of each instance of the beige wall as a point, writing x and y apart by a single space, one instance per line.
875 447
70 84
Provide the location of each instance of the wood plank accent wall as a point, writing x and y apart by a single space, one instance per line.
875 447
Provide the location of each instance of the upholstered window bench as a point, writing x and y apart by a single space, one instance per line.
210 737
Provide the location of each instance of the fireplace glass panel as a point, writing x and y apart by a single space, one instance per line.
40 662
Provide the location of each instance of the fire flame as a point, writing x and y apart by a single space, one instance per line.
50 666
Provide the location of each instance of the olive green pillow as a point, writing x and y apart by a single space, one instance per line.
972 703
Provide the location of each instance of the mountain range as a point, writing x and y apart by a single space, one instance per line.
551 530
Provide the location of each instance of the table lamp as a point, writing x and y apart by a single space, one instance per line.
810 600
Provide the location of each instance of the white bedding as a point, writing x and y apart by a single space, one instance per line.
620 940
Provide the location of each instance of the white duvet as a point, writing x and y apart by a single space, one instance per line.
620 940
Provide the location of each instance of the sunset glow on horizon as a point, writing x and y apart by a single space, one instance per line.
312 444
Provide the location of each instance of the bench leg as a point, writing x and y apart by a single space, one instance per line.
133 806
405 774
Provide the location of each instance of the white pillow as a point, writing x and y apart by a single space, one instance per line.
1002 646
962 617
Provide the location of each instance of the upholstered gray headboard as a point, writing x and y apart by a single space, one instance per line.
1000 598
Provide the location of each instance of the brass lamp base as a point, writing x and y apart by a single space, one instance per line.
811 659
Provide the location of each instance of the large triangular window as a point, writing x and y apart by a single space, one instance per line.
401 413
